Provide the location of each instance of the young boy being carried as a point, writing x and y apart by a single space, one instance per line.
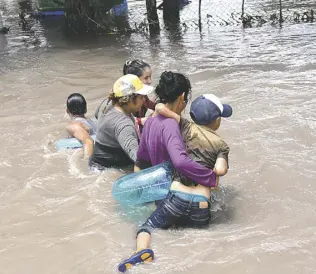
203 144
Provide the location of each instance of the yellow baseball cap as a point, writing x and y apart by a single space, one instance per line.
130 84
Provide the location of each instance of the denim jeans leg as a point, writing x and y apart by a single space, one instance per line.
167 214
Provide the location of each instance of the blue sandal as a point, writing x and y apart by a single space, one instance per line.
142 256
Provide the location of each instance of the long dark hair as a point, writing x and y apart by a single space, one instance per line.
171 86
135 67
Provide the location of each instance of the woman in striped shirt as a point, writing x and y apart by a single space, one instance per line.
117 138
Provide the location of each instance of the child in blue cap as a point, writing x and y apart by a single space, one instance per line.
203 144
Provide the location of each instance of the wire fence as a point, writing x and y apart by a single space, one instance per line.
149 16
205 13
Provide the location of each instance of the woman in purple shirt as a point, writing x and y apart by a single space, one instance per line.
161 141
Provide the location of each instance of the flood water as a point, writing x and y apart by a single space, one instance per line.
55 217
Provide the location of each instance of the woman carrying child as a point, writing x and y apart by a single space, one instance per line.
162 141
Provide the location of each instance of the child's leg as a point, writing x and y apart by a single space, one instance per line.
143 253
143 241
162 217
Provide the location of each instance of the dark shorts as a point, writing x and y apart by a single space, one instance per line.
174 211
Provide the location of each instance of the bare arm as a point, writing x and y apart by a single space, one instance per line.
221 164
164 111
221 167
81 132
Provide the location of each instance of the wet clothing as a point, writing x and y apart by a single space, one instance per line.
105 156
91 124
116 141
148 104
101 108
203 145
162 141
178 210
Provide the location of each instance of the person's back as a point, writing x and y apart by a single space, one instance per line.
112 129
162 141
203 144
113 120
91 124
157 126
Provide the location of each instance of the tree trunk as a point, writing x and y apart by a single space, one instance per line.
281 16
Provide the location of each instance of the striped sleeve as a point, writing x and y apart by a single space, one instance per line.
127 138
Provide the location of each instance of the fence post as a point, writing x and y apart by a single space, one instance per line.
152 16
281 16
1 23
200 20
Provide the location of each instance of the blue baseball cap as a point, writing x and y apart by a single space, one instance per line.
207 108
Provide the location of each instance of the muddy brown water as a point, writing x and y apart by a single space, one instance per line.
55 217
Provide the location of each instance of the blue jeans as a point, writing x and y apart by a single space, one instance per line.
178 210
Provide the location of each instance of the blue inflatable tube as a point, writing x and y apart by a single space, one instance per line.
70 143
145 186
